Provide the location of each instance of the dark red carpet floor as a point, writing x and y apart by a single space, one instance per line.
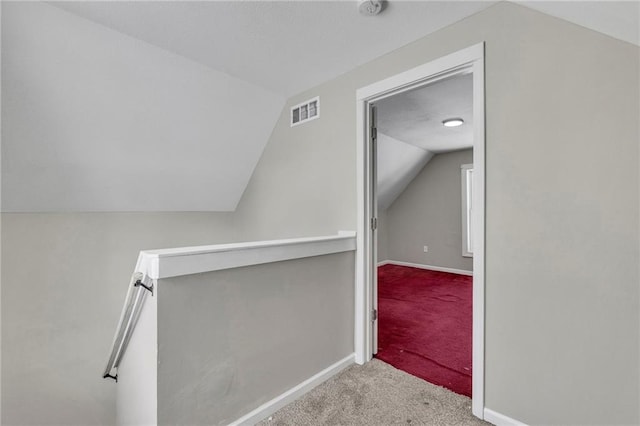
424 324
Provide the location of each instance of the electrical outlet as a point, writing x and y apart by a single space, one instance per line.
426 249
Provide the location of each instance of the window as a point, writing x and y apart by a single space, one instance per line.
466 175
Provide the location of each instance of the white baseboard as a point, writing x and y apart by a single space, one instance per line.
429 267
270 407
500 419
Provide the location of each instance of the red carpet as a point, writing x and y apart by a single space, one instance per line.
424 324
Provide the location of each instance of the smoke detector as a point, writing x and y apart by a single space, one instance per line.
370 7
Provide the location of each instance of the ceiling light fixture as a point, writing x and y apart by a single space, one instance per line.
453 122
370 7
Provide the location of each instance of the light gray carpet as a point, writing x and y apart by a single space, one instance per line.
376 394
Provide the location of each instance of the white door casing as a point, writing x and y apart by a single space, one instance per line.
373 197
469 60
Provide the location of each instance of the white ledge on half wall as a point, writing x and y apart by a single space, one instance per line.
166 263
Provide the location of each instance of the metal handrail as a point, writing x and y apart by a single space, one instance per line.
139 286
180 261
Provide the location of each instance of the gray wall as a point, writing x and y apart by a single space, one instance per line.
231 340
562 226
383 236
64 279
91 120
562 232
429 213
304 183
562 205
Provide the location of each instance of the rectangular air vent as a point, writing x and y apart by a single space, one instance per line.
306 111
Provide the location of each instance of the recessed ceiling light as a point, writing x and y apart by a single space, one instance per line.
453 122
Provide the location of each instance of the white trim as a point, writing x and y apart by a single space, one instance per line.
294 393
431 71
466 174
384 262
467 60
362 332
500 419
155 264
429 267
477 386
175 262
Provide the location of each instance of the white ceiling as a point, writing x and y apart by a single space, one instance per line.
112 70
618 19
284 46
398 164
94 120
416 116
290 46
411 132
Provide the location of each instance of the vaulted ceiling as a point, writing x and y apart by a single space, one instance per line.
290 46
142 105
283 46
415 117
411 132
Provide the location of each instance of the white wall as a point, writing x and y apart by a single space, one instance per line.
137 387
562 199
99 121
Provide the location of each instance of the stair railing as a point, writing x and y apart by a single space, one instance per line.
139 286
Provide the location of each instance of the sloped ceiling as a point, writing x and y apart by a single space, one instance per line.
94 120
284 46
411 132
416 116
398 164
290 46
144 106
618 19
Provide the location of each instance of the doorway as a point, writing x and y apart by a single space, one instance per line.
424 142
467 61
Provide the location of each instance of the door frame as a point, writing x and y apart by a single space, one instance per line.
469 60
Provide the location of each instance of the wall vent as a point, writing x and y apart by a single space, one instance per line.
306 111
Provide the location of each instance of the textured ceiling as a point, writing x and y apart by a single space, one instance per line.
416 116
290 46
410 131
